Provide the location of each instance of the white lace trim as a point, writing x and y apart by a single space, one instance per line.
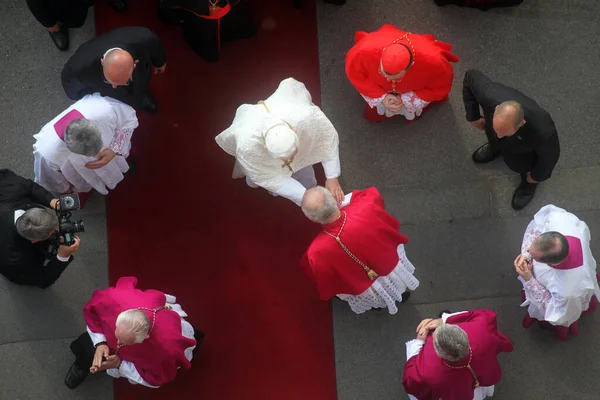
531 233
536 292
413 105
385 290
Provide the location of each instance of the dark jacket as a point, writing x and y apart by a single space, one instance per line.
21 261
83 74
538 136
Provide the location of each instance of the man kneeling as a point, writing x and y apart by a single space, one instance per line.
359 256
134 334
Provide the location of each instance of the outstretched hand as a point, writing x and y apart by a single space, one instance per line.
334 187
103 158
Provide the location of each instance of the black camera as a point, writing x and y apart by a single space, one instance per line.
67 228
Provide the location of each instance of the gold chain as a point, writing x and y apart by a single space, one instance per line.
154 311
476 381
372 274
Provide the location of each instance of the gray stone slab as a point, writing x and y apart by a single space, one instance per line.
36 370
370 353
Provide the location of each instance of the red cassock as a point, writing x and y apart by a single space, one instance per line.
370 233
430 77
156 358
427 377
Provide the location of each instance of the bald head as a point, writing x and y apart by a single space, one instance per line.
319 205
509 116
118 66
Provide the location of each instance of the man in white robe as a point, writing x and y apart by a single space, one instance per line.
557 270
85 147
277 141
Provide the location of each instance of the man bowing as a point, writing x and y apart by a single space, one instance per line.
398 72
558 271
516 127
119 64
85 147
458 361
359 256
136 334
277 141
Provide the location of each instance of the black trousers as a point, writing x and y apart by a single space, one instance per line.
518 162
72 13
83 349
482 4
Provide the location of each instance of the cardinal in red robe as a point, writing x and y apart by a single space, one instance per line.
137 334
455 357
359 255
398 72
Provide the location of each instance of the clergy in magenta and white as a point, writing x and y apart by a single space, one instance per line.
454 357
277 141
398 72
85 147
359 255
142 334
557 270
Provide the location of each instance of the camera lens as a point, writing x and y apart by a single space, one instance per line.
69 201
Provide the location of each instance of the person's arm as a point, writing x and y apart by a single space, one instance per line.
32 272
536 293
439 83
413 103
48 176
157 53
42 11
292 190
37 192
126 123
74 87
475 85
547 157
332 168
356 60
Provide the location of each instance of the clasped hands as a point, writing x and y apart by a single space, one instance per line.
392 103
523 267
426 326
102 352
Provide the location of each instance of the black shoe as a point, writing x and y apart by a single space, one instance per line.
297 3
336 2
445 2
523 195
149 104
75 376
485 154
444 312
405 296
119 5
61 38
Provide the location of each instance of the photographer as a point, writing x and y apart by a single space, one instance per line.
26 227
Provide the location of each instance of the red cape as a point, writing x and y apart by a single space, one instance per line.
430 77
156 358
370 233
427 378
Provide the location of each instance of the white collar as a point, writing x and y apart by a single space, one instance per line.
18 213
109 50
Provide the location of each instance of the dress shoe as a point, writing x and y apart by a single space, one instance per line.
446 2
61 38
336 2
119 5
149 104
485 154
405 296
523 195
75 376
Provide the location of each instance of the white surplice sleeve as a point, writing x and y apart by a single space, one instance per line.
413 103
96 337
445 316
126 122
536 293
332 168
127 370
413 347
554 308
374 102
292 190
48 175
531 233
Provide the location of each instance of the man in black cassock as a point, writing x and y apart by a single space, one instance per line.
117 64
516 127
57 16
481 4
25 228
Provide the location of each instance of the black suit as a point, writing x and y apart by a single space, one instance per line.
83 73
72 13
21 261
534 147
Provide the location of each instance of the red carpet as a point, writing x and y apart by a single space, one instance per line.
228 252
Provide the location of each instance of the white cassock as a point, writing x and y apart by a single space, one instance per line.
318 142
559 294
127 368
56 167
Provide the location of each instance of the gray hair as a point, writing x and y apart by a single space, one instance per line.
37 224
83 136
451 342
136 322
554 247
513 110
318 204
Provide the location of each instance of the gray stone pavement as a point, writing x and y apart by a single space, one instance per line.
463 232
